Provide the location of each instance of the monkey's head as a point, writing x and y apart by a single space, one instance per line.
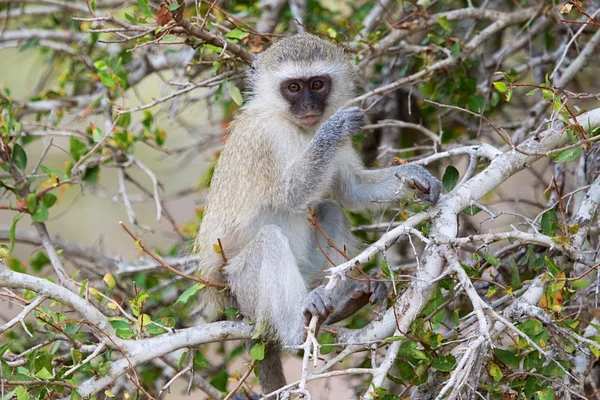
302 77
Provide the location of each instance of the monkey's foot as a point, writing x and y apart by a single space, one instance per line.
244 396
319 303
426 186
376 290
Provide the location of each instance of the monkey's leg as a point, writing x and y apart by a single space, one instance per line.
269 289
352 295
267 284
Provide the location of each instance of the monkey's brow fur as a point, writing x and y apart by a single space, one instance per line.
270 172
300 48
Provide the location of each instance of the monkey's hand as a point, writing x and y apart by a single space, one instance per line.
317 303
356 296
346 121
425 185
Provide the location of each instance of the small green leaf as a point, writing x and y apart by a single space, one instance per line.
507 358
44 374
472 210
444 363
19 157
549 223
568 155
495 372
97 134
22 393
407 371
490 258
110 281
48 199
236 34
31 202
443 21
189 293
532 92
500 86
219 380
40 214
76 148
235 94
257 352
174 6
326 340
200 362
450 178
143 6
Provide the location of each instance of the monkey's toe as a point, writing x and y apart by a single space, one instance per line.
319 303
244 396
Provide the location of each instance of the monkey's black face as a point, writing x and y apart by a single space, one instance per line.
307 98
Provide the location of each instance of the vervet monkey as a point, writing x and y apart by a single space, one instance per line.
289 149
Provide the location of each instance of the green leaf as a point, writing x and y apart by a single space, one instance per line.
390 339
450 178
231 312
200 362
19 157
109 279
40 214
552 267
549 223
444 363
500 86
443 21
22 393
472 210
495 372
174 6
476 103
568 155
407 371
257 352
143 6
31 202
76 148
490 259
48 199
507 358
235 94
97 134
44 374
130 18
189 293
219 380
326 340
91 174
236 34
39 261
532 92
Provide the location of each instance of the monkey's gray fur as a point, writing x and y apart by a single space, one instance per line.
272 169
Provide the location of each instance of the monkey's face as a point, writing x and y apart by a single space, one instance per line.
307 98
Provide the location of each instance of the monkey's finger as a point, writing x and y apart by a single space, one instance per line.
380 293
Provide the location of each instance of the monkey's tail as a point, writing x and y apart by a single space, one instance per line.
270 369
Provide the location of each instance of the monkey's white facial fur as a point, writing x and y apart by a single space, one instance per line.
303 79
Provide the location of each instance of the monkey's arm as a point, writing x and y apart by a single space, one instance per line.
305 179
359 186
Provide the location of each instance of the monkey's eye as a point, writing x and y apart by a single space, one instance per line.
294 87
316 85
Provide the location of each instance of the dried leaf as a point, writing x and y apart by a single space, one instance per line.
164 15
565 9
